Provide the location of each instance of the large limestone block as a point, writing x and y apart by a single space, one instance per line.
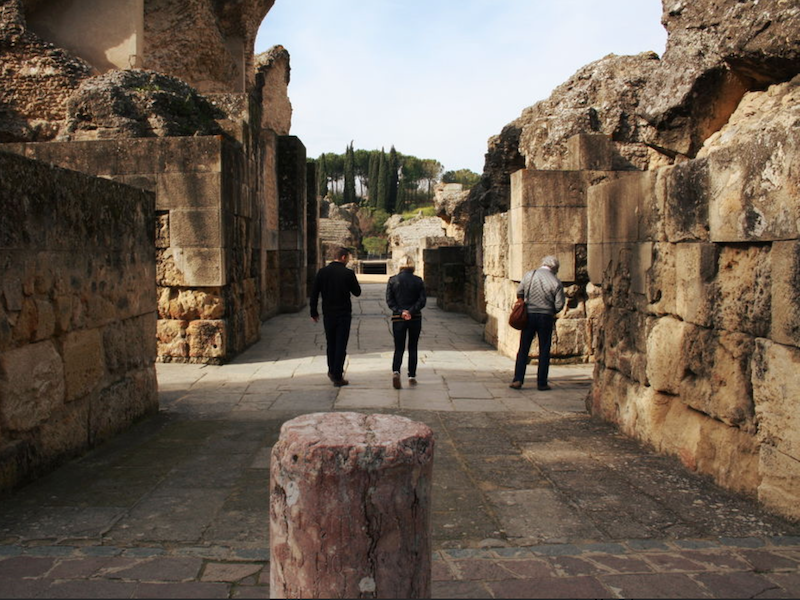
84 362
207 339
171 338
780 481
196 228
495 245
742 294
696 268
776 393
717 377
622 210
524 257
686 198
661 286
752 178
571 338
188 190
31 385
590 152
130 344
666 363
187 267
350 507
785 259
190 304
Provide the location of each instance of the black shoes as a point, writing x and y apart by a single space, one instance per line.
543 388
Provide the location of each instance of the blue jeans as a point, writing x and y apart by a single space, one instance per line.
337 334
541 325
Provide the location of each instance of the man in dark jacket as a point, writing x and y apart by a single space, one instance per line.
335 282
405 295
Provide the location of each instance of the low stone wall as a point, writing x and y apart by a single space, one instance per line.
77 315
209 235
698 352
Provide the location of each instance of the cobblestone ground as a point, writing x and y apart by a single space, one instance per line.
532 497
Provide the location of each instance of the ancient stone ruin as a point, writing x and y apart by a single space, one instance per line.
667 186
166 97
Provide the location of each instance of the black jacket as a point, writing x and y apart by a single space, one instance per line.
406 291
335 282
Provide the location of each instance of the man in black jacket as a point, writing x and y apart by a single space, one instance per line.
405 295
335 282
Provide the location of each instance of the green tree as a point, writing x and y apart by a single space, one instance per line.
383 183
372 178
465 177
322 176
349 175
361 160
394 167
431 169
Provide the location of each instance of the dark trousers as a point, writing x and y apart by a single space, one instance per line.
401 329
541 325
337 334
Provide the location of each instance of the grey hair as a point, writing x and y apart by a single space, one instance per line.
551 262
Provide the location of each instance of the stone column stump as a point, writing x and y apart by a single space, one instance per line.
350 507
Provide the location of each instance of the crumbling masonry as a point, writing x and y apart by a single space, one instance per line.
166 97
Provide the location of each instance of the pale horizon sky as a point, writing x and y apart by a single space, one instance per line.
438 78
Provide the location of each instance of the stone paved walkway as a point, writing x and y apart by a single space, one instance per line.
532 497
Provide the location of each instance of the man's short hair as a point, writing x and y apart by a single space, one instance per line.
340 251
551 262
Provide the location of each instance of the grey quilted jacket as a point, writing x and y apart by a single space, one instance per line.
543 292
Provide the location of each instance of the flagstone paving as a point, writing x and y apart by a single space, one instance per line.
532 497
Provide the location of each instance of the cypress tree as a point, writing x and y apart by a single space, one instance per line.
322 176
349 175
383 182
394 167
372 178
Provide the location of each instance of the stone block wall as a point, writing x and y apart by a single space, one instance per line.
292 215
77 314
698 352
547 215
208 234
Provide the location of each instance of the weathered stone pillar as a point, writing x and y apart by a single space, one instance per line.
350 507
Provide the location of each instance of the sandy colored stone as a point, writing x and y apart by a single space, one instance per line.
776 388
207 338
785 259
666 363
350 507
32 385
716 380
84 363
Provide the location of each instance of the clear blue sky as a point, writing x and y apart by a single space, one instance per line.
437 78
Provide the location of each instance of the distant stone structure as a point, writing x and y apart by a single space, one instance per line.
666 186
338 227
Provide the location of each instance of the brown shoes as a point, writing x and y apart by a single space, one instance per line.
515 385
340 382
396 381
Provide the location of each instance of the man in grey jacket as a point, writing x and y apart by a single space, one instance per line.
543 293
